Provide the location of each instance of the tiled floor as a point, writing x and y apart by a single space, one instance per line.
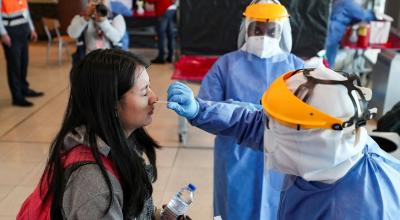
25 134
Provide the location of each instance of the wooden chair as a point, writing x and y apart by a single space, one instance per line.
52 29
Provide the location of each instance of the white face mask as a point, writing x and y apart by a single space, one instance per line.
262 46
316 155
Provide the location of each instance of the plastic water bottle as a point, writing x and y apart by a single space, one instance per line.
179 204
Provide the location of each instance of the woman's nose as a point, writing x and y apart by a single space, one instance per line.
153 97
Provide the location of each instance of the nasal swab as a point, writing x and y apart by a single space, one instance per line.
162 102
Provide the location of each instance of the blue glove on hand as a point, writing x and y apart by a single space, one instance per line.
182 101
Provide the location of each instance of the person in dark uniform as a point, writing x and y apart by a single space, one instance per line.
15 29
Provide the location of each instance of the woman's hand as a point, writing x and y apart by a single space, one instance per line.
157 213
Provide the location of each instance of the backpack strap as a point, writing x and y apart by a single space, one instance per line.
81 155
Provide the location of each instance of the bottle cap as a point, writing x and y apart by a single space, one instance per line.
191 187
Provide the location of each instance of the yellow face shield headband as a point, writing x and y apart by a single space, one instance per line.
287 108
266 12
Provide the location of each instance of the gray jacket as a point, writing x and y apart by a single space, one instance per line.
86 194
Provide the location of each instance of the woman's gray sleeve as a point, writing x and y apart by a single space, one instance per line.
87 195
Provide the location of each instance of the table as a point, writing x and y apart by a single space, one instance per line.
359 58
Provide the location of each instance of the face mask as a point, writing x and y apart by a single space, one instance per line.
321 155
262 46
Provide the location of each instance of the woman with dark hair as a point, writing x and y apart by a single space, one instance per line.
109 104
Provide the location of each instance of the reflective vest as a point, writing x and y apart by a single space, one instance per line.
10 7
14 12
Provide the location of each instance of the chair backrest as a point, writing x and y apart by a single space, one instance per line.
51 25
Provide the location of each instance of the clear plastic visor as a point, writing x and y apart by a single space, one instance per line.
270 29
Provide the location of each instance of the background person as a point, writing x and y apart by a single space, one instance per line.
16 28
344 13
165 11
101 29
243 75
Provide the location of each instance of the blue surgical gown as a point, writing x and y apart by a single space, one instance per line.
344 13
370 190
238 179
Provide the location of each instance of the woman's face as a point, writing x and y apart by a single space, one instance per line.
135 108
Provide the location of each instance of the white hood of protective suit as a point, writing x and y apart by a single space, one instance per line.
323 155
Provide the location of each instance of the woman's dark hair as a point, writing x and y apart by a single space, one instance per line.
97 84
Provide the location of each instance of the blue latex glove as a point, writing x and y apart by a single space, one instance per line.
182 101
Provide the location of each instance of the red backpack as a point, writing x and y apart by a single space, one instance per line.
35 207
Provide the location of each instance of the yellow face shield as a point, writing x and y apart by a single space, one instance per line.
287 108
266 12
